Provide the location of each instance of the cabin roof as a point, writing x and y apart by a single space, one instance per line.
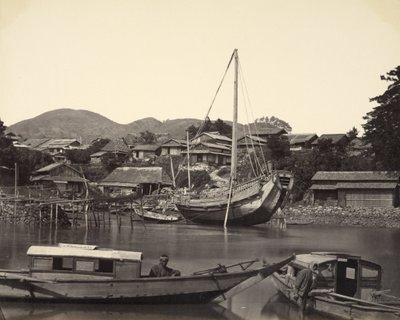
85 251
146 147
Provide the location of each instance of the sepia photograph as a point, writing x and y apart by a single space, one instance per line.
213 159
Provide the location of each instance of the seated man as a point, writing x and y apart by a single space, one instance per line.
161 269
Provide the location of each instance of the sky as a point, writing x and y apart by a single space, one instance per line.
311 63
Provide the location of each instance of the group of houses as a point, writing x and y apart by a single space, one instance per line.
347 189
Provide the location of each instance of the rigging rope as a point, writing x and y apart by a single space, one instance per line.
201 127
245 91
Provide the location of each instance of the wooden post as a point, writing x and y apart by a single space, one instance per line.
40 215
172 172
188 155
51 214
15 189
131 213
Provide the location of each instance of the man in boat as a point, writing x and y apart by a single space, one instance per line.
161 269
304 283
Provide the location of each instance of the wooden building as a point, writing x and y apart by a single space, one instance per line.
356 188
210 153
265 131
135 180
212 137
60 175
301 141
173 147
337 140
249 142
117 149
146 151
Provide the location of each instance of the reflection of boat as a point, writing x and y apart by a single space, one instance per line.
248 203
87 274
157 217
40 311
345 286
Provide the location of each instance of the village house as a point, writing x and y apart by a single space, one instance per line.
210 153
358 147
56 146
97 157
62 176
264 131
249 142
356 188
212 137
135 181
173 147
339 140
117 149
301 141
146 151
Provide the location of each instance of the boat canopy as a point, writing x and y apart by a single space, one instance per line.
305 260
86 251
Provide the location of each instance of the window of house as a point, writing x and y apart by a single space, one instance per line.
84 265
42 263
60 263
103 265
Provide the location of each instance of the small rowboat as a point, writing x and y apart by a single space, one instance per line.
345 286
88 274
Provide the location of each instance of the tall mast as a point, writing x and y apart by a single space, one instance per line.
235 116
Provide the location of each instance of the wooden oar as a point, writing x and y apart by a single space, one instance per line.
365 302
261 275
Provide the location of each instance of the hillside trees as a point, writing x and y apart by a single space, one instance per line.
210 126
382 127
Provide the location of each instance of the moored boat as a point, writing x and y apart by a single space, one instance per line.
345 286
242 204
88 274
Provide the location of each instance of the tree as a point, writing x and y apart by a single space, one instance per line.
147 137
209 126
382 127
352 134
7 150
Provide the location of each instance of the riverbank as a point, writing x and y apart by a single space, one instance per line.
365 217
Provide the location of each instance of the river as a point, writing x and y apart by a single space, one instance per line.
192 248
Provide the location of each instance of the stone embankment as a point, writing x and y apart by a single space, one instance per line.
30 214
365 217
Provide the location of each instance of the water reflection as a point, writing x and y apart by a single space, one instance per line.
23 311
192 248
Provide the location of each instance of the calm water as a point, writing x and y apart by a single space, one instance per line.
192 248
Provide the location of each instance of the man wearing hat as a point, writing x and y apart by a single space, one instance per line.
161 269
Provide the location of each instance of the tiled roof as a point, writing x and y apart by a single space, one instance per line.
174 143
334 137
355 185
215 136
301 138
34 143
98 154
356 176
50 167
136 175
251 137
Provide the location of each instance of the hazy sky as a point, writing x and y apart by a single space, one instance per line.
312 63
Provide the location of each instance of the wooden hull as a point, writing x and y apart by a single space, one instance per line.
156 217
338 308
255 209
185 289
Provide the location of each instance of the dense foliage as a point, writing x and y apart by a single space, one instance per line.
382 128
209 126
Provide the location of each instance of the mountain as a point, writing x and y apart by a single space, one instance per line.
87 126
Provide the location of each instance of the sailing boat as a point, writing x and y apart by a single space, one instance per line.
245 204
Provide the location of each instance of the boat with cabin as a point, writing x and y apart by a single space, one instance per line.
345 286
246 203
78 273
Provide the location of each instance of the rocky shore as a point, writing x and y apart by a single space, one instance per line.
365 217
